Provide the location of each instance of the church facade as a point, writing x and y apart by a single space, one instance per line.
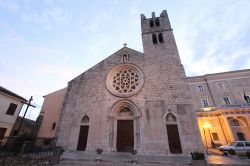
133 100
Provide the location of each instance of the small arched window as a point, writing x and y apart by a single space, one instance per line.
157 22
235 122
154 38
160 37
151 22
85 119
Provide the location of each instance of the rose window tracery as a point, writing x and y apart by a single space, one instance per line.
124 80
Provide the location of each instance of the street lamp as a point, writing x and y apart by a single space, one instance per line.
206 125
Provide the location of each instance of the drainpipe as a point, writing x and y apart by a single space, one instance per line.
209 90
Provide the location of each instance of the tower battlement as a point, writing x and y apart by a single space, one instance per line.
155 24
163 14
157 33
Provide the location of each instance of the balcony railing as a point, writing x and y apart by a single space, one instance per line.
245 105
229 106
33 148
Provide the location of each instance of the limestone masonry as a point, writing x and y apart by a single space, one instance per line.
133 100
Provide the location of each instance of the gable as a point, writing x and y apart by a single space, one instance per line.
115 59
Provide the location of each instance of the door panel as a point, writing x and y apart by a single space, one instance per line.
174 139
83 138
125 135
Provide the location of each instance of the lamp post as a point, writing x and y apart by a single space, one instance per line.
207 125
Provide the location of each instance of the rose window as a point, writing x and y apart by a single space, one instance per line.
124 80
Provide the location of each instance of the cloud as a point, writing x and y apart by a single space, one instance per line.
95 24
64 72
8 5
213 36
54 15
49 2
47 16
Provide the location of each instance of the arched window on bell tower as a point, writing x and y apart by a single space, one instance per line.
151 23
157 22
160 37
154 38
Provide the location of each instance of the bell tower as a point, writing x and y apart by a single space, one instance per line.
157 36
166 90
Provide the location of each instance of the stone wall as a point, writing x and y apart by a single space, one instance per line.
165 90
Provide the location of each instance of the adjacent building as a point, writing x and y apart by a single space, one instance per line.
10 107
50 113
222 102
27 126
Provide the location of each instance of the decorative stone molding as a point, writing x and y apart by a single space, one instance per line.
124 80
113 116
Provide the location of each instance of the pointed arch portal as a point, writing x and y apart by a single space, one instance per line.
124 133
83 134
173 134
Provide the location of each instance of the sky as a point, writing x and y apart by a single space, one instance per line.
46 43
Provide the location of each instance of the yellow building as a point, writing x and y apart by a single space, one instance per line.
220 126
222 101
50 112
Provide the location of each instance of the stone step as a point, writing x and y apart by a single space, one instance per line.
76 158
120 159
103 163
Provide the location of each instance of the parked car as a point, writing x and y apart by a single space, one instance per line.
239 147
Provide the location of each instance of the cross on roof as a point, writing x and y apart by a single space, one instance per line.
125 44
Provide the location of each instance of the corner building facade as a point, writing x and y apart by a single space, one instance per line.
133 100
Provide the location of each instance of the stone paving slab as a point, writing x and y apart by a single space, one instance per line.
227 160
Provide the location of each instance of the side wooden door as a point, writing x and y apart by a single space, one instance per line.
83 138
174 139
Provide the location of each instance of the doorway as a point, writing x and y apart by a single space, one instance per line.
174 142
174 139
241 136
125 135
83 137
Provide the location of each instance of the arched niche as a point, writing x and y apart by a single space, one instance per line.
235 122
85 120
170 118
239 128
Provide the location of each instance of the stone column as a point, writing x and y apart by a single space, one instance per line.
111 133
227 127
137 131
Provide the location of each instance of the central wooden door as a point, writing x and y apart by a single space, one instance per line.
174 139
83 138
125 135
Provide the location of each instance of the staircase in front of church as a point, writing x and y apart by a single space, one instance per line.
74 158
